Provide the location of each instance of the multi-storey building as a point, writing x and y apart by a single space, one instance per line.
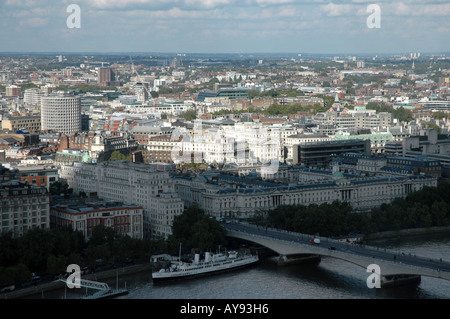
14 123
32 97
300 139
143 134
123 217
377 140
22 206
13 90
38 175
159 149
163 211
130 182
99 146
354 119
320 154
106 76
61 113
237 197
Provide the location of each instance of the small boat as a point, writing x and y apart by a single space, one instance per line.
213 263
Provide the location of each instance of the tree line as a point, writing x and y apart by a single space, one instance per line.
428 207
48 252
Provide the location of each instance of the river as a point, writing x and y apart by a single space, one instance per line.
330 279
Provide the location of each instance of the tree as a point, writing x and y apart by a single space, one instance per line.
35 247
102 235
189 115
154 94
60 187
16 275
117 155
194 229
56 265
8 252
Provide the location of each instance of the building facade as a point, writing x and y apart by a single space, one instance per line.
124 218
15 123
61 113
241 197
22 206
135 183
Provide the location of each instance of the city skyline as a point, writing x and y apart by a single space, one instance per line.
225 26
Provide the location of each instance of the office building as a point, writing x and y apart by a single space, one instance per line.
135 183
221 195
107 77
22 206
61 113
13 90
320 154
30 123
123 217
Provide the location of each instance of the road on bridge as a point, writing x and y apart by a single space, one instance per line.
328 243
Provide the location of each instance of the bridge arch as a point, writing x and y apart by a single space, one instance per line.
393 270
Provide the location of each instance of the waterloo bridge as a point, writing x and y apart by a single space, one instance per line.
394 267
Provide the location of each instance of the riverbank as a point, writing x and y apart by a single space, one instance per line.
98 276
407 232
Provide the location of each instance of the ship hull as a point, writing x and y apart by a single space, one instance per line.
206 271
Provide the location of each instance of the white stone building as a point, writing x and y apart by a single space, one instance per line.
229 196
135 183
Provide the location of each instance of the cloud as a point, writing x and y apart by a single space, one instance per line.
236 25
33 22
335 10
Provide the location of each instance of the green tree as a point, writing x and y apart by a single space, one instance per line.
189 115
14 275
194 229
117 155
60 187
154 94
9 250
56 265
35 247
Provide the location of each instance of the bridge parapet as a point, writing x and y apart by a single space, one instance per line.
391 262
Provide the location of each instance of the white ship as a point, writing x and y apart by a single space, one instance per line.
212 263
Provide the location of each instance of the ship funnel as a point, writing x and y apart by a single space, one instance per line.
196 258
207 257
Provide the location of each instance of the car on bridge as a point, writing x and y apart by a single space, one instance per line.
315 241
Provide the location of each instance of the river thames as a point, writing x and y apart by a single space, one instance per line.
330 279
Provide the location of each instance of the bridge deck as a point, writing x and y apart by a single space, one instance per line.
392 262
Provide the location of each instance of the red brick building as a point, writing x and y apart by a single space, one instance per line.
124 218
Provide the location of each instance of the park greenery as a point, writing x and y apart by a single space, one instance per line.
399 113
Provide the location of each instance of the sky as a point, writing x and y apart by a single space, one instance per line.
226 26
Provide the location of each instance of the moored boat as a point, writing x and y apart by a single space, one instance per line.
212 263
